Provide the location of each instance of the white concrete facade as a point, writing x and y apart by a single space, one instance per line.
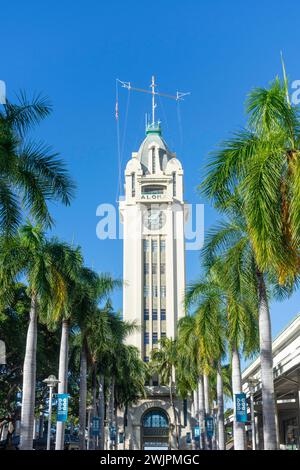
152 213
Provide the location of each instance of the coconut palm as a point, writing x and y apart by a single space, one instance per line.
231 313
262 161
30 174
210 336
190 368
163 362
85 290
31 254
129 387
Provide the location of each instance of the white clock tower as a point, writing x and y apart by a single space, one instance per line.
152 212
154 261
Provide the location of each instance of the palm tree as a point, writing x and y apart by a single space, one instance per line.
210 333
130 380
30 173
163 362
262 162
31 254
228 310
190 368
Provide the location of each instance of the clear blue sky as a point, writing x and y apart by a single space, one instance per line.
74 51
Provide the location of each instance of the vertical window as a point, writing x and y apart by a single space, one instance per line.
155 291
163 291
133 185
162 268
146 359
146 338
146 314
154 338
153 160
154 246
163 314
174 183
163 245
146 291
163 334
154 314
146 245
146 268
154 268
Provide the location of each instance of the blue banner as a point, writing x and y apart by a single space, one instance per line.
240 407
62 406
209 424
96 426
197 433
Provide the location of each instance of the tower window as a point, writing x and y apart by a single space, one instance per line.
163 334
146 338
146 268
163 245
154 338
163 291
163 314
146 358
133 185
155 291
146 314
162 268
174 183
153 161
154 246
154 314
146 291
154 268
146 245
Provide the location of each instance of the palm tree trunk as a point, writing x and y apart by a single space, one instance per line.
201 412
238 428
174 413
124 425
29 377
266 364
101 410
116 424
220 401
111 411
82 397
94 402
63 378
207 408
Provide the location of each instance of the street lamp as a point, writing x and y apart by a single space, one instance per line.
89 409
51 382
252 382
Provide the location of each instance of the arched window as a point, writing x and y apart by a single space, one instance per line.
132 184
155 419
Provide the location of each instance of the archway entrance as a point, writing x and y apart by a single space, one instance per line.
155 430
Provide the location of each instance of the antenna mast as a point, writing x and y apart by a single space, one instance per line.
178 97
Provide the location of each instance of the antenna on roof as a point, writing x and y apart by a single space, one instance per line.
178 97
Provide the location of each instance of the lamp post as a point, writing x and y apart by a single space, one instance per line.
51 382
252 382
89 409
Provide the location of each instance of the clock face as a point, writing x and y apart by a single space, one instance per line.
154 219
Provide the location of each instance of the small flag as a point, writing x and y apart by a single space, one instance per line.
117 110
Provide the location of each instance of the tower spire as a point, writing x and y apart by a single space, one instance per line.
153 85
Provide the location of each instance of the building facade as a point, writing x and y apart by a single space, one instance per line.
152 213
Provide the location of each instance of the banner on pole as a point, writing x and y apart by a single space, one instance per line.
96 426
241 407
62 406
209 424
